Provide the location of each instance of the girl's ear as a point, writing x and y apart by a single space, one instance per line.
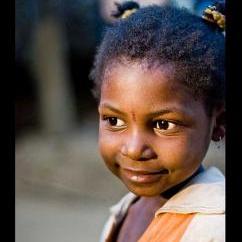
219 124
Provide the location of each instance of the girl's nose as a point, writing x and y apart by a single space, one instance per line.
137 149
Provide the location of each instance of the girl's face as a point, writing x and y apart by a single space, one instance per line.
153 134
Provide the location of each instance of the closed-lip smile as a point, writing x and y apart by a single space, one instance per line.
143 176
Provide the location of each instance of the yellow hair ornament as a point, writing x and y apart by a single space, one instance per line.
128 12
212 15
125 9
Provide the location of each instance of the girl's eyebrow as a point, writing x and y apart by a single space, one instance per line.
155 113
166 110
106 105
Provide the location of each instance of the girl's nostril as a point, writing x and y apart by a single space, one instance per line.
138 153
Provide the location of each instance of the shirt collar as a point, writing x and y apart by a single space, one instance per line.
205 194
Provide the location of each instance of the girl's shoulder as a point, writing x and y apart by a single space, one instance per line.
204 194
205 198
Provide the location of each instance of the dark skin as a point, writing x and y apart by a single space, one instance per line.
139 214
153 135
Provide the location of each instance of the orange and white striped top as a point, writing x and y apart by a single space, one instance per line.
195 214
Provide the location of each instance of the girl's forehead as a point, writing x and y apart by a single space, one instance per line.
126 70
135 88
141 77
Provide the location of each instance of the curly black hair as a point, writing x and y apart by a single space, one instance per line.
168 35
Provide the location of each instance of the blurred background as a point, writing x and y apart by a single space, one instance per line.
63 189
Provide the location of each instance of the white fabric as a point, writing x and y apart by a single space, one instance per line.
206 228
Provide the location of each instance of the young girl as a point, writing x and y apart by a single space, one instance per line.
159 79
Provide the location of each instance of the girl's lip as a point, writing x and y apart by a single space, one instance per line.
145 171
143 176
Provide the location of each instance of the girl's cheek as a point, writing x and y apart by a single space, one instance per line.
107 147
175 153
108 151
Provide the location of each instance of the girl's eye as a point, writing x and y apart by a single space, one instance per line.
164 125
116 122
